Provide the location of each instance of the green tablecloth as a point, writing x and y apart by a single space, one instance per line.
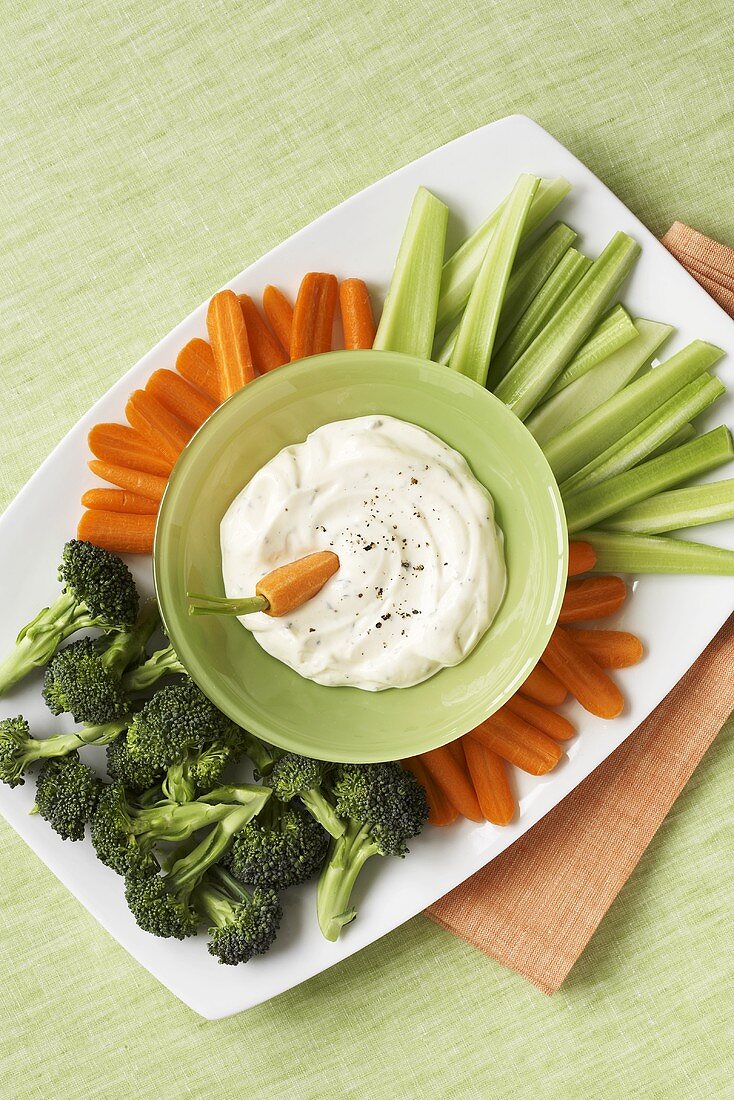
150 151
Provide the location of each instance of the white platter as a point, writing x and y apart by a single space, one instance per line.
676 616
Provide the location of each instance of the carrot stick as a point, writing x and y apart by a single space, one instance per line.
196 363
583 677
454 781
610 648
180 397
489 775
291 585
581 558
121 532
135 481
123 446
228 337
542 686
518 742
356 311
592 598
161 428
546 720
313 315
279 313
441 812
119 500
267 354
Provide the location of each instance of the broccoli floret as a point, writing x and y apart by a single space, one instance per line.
179 718
163 662
136 776
98 591
19 749
243 924
157 908
66 795
197 772
295 776
385 806
281 847
85 678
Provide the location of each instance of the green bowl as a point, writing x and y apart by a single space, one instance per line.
344 723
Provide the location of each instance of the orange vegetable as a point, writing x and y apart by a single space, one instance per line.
119 500
610 648
228 337
161 428
581 558
441 812
313 315
289 586
453 779
135 481
267 354
180 397
583 677
196 363
488 773
121 532
518 742
542 686
279 313
592 598
123 446
546 720
356 311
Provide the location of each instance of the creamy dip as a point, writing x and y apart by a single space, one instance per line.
422 571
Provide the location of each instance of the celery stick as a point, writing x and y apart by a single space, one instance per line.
583 440
681 436
461 269
621 553
612 333
478 326
679 508
564 278
535 372
588 507
655 429
408 321
602 382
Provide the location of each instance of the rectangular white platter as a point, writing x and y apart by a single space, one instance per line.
676 616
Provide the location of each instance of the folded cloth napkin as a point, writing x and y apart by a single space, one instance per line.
536 906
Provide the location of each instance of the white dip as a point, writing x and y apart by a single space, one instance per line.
422 571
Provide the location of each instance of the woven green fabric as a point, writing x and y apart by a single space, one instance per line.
150 151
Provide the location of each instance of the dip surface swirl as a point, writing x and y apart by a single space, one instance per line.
422 571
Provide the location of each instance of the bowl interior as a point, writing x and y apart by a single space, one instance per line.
267 697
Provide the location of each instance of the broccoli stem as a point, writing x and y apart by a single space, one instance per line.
176 821
187 872
61 744
348 856
217 895
129 645
40 638
163 662
320 808
258 752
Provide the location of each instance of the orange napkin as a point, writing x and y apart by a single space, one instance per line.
536 906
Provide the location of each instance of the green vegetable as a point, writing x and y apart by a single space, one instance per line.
385 806
679 508
243 925
602 382
475 340
295 776
282 846
19 750
163 662
587 507
179 718
98 591
681 436
583 440
66 795
537 369
617 552
408 321
136 776
612 333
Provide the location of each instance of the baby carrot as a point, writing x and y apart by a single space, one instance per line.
180 397
161 428
267 354
119 500
228 337
583 677
581 558
196 363
542 686
610 648
313 315
441 811
453 779
135 481
121 532
279 313
289 586
356 310
518 742
121 445
592 598
543 718
488 773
